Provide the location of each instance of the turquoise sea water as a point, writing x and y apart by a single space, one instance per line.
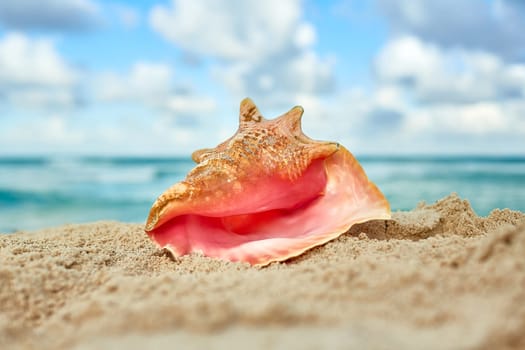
42 192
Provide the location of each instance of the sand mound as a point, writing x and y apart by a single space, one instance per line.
435 277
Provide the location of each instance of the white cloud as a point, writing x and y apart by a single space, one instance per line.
262 49
389 96
50 14
38 97
448 76
32 73
406 58
305 35
146 81
450 99
52 132
278 83
231 30
188 104
476 119
495 26
152 84
25 61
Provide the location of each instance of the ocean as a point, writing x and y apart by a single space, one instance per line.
43 192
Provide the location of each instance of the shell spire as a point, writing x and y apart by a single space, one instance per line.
249 113
292 120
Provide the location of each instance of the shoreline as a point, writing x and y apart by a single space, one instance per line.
434 277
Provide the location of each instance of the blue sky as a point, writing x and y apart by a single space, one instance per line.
166 77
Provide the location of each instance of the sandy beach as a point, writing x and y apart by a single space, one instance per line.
436 277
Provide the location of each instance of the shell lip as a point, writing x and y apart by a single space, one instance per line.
152 220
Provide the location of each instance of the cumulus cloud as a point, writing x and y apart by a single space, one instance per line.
230 30
152 84
32 73
444 99
145 80
38 97
54 130
496 26
277 83
69 15
26 61
438 75
480 118
448 80
258 51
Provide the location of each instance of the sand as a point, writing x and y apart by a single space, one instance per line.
436 277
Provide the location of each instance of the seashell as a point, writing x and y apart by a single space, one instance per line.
266 194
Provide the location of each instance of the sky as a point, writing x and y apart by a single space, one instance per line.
163 78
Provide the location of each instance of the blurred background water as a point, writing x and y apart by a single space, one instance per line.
41 192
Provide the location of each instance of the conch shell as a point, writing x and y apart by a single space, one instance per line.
267 194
